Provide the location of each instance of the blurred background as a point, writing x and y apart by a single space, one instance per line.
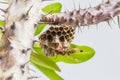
105 65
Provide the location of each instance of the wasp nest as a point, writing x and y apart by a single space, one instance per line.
56 39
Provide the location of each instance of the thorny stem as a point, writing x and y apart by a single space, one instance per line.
17 40
84 17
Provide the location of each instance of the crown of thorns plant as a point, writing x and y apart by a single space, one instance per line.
20 24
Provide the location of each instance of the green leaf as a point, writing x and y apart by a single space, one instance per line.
2 23
40 28
53 8
82 54
52 75
43 61
39 50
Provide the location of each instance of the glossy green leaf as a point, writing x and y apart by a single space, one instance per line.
40 28
43 61
2 23
39 50
52 8
82 54
52 75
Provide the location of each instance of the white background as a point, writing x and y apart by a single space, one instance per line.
105 65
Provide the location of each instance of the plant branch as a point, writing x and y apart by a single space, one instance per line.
17 40
83 17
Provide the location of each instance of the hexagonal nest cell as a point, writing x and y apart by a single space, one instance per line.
56 39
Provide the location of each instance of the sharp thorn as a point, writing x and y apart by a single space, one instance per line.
89 4
113 20
118 20
102 1
67 10
74 4
79 5
4 2
79 29
97 26
3 10
29 10
2 29
88 26
109 24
